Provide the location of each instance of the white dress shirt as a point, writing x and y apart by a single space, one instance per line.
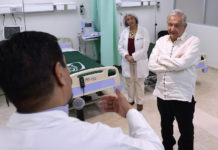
54 130
174 63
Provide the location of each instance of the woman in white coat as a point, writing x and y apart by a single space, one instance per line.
133 45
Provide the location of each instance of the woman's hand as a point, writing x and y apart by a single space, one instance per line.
130 59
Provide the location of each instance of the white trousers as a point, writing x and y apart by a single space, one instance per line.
135 86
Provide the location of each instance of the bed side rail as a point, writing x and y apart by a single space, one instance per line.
94 80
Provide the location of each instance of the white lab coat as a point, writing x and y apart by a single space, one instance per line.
54 130
176 76
140 55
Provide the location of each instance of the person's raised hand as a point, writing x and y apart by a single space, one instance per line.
115 103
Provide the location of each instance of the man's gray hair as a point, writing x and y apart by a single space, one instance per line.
178 13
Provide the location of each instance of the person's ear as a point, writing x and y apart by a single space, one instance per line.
185 26
60 74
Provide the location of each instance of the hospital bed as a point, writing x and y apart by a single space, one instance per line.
88 77
202 64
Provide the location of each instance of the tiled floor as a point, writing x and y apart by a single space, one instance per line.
205 121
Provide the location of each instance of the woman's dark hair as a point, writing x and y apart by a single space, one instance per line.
125 22
27 62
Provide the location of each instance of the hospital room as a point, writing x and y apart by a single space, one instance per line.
108 74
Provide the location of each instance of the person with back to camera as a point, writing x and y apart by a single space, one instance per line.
174 59
34 76
133 46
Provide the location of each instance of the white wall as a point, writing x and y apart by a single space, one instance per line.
209 41
10 1
193 9
165 8
58 23
146 16
146 21
67 23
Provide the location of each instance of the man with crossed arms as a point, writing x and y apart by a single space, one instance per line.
173 59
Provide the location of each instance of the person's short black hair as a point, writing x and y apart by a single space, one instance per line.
27 62
125 22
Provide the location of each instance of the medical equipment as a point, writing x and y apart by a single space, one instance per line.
8 31
88 30
82 9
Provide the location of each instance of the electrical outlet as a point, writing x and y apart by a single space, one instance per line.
16 9
65 6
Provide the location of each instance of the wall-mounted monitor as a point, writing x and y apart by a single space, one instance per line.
8 31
